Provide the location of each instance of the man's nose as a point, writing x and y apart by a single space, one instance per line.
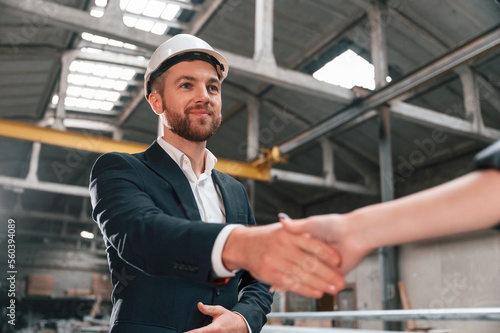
202 94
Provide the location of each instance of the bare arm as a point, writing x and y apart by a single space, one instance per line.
465 204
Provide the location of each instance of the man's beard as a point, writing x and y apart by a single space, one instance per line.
182 125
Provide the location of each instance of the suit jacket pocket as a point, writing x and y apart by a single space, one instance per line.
242 218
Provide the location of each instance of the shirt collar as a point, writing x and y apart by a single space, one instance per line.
178 156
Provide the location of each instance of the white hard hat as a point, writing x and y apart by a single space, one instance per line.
179 48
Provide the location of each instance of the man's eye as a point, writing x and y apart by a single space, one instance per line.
213 88
185 85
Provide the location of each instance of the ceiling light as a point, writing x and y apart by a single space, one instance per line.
112 96
120 85
87 36
114 72
94 105
91 50
107 106
55 99
70 101
116 43
127 74
159 28
129 21
130 46
101 3
87 93
144 25
93 81
123 4
107 84
82 103
99 40
87 235
97 12
170 12
73 91
136 6
101 94
154 8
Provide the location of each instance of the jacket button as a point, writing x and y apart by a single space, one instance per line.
217 291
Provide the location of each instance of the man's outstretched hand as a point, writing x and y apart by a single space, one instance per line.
286 260
223 320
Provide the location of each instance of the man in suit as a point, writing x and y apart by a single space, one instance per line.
179 257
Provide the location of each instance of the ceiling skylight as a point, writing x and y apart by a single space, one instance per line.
96 39
147 15
348 70
96 86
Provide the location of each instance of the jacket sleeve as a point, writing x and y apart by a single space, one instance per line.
488 158
143 235
254 298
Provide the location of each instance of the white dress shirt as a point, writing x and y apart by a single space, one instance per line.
206 194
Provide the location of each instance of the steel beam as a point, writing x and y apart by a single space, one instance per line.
464 53
472 102
302 329
310 180
444 121
23 131
14 184
481 314
492 94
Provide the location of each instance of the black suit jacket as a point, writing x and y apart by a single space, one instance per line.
159 250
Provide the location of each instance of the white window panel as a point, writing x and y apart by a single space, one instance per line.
159 28
136 6
145 25
154 8
170 12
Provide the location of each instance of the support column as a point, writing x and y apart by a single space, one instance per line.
472 104
263 48
328 161
253 106
388 261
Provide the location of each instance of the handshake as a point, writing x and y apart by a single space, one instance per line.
311 256
296 256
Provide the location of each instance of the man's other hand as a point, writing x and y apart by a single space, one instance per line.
223 320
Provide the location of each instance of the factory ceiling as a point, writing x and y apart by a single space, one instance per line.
71 76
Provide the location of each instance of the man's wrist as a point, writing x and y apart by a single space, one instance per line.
232 257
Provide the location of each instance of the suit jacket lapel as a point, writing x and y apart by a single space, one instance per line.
162 164
228 196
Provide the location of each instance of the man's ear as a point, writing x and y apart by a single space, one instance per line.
156 103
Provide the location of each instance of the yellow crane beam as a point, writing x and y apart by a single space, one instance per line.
28 132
